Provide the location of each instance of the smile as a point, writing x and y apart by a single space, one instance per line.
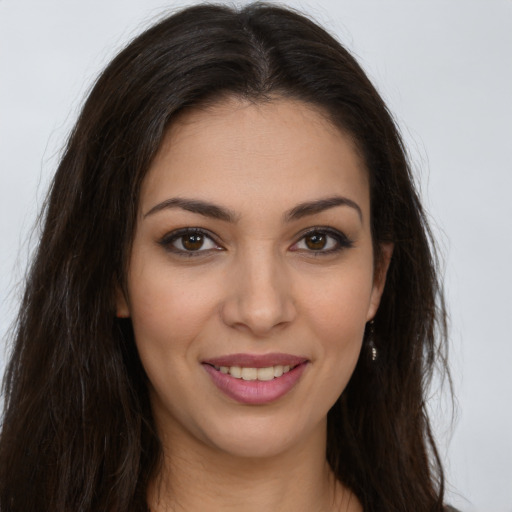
256 379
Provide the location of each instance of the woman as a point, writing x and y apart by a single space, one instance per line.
234 303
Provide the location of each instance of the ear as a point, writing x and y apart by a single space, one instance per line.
379 278
122 308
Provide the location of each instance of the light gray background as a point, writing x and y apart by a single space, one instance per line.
445 69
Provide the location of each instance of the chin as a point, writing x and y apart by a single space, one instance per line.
262 438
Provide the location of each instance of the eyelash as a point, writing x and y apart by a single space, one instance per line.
169 239
341 241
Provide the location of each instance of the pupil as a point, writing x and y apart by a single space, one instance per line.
316 241
193 242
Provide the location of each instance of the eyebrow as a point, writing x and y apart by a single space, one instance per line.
195 206
320 205
218 212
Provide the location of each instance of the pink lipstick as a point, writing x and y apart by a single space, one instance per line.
255 379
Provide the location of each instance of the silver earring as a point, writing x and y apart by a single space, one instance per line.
371 344
374 352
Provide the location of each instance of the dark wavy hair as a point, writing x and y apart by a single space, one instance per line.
78 433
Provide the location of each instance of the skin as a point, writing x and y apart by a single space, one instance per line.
255 287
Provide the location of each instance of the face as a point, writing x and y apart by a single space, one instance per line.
251 276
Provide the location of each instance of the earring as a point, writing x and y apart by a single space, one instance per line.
371 343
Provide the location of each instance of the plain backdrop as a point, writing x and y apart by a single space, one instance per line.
445 69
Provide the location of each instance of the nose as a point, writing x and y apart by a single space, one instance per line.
258 295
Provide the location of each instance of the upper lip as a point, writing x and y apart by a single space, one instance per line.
256 360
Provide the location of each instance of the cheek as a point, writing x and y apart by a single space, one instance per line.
336 309
168 310
340 325
340 300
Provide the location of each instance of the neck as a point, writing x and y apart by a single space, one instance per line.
196 477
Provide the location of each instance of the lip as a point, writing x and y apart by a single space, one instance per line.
256 360
255 392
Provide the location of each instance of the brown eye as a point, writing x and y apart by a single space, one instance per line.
322 241
316 241
189 241
192 242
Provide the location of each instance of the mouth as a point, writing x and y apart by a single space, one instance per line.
254 379
250 373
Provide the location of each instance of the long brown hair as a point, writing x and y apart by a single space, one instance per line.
77 430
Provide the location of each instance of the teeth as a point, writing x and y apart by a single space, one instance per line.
269 373
266 373
249 373
235 371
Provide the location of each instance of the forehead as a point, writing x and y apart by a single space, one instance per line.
255 154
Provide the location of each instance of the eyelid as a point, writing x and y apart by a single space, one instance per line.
343 241
169 238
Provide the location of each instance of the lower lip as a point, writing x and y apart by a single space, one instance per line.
256 392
